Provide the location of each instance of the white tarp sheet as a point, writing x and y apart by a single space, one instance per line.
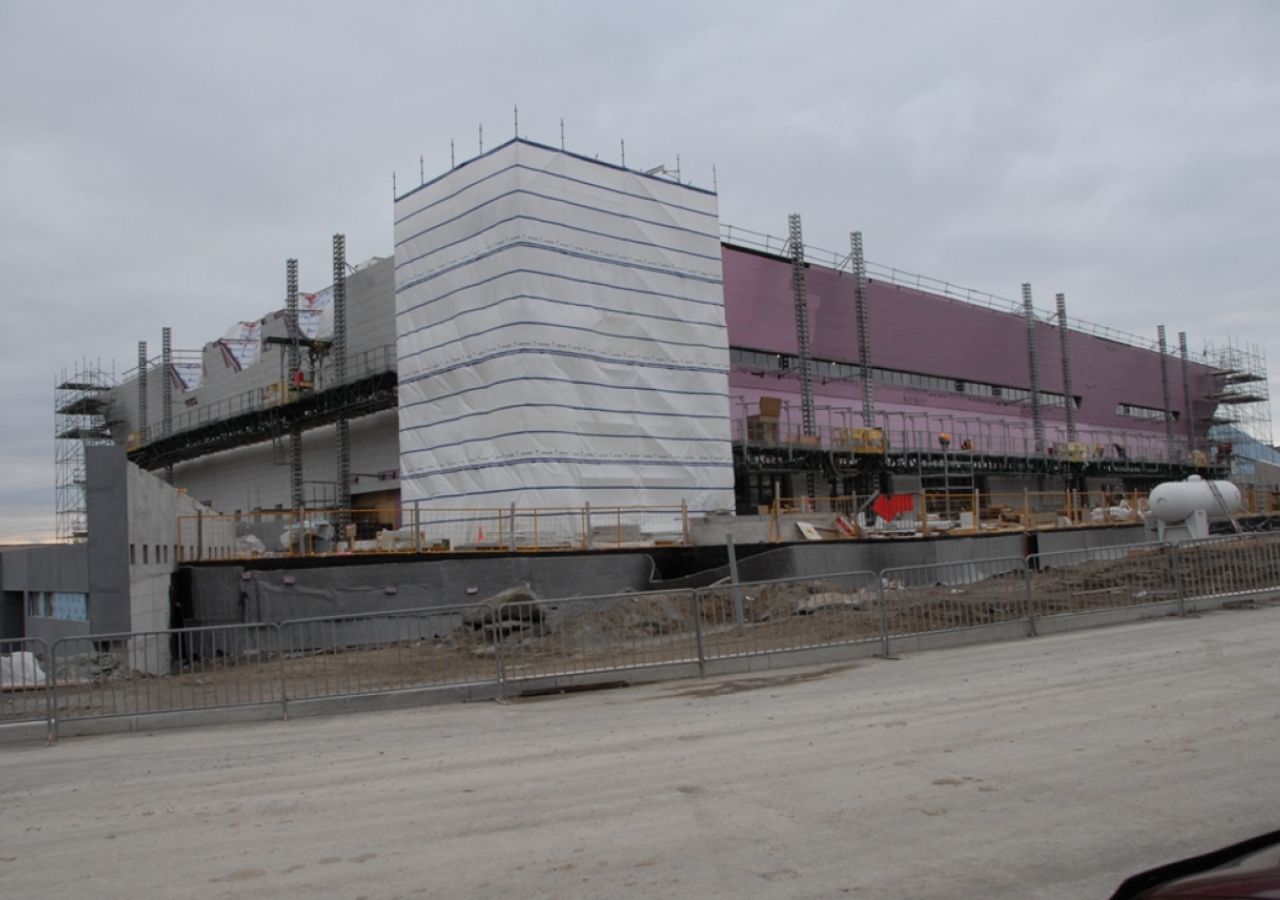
188 376
561 337
242 344
315 314
20 670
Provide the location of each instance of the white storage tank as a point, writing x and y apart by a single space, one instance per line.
1182 508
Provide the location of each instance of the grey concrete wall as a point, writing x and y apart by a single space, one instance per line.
50 567
50 630
216 596
107 507
62 568
337 590
831 557
1089 538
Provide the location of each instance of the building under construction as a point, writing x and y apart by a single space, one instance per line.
563 353
553 331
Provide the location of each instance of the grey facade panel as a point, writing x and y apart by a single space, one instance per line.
107 506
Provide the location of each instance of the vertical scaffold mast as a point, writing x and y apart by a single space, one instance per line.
340 372
296 497
1164 383
859 265
1188 407
796 244
1068 395
1033 365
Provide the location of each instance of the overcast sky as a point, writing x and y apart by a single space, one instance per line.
160 161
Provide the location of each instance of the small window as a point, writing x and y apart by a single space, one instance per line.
70 607
144 555
133 554
166 554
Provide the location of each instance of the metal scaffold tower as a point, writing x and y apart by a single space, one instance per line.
802 339
340 372
859 265
1241 394
1188 406
82 417
1164 383
802 323
1064 332
1033 368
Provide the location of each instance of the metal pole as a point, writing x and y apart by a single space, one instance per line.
864 336
738 618
1068 396
1177 582
291 317
142 389
1037 411
697 633
884 618
166 382
1168 404
946 481
796 243
1031 613
340 373
1187 408
1037 414
295 365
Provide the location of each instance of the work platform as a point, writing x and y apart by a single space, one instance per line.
265 421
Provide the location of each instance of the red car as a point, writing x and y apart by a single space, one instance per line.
1249 870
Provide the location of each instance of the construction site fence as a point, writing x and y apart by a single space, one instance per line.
521 644
418 528
955 512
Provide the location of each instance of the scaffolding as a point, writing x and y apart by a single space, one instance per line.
1241 399
82 418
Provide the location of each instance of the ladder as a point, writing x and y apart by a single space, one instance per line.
1213 486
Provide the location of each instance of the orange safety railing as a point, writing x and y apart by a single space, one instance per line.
955 513
424 529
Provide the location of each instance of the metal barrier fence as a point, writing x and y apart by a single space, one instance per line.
24 682
136 673
953 596
1080 581
537 639
763 617
372 653
508 643
1226 566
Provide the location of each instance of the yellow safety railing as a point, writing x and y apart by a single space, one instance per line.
955 513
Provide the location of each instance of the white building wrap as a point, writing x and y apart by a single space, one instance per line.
561 337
